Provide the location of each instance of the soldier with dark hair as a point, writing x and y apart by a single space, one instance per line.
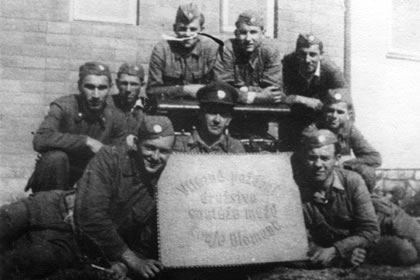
75 129
216 109
307 76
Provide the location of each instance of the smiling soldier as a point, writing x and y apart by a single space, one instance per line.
75 129
216 108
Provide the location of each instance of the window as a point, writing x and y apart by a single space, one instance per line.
405 30
115 11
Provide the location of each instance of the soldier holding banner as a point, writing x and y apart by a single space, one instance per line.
110 217
340 213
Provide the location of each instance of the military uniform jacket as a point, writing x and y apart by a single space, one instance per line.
115 204
294 84
133 115
351 139
194 144
346 218
68 124
256 71
169 68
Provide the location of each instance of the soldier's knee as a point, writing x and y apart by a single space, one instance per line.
14 219
392 250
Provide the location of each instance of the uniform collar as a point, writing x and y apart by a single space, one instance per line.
195 141
336 183
196 51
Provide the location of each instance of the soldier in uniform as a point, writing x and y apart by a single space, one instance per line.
112 213
340 214
358 155
130 79
337 110
76 128
216 108
307 76
252 64
180 66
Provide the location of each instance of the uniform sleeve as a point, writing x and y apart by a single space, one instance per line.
48 136
365 231
224 69
287 74
93 205
120 128
364 152
155 83
272 73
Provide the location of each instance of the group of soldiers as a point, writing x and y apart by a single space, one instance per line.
100 157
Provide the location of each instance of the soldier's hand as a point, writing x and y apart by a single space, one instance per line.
323 256
131 141
93 144
274 94
191 90
119 271
147 268
358 256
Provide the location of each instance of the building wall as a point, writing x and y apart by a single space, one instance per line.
41 50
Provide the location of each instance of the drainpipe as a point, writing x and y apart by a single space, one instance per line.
347 41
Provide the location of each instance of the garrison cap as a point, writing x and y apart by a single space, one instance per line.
187 13
316 138
155 126
218 93
94 68
337 95
307 40
250 17
132 70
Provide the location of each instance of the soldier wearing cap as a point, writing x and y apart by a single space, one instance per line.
252 64
130 79
180 66
75 128
337 110
112 213
216 108
307 76
338 211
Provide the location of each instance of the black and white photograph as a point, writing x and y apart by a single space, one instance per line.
209 140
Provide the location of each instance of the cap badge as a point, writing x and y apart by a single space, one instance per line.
101 67
221 94
321 139
136 68
157 128
338 96
311 38
252 20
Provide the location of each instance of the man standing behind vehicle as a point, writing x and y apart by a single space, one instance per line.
75 129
